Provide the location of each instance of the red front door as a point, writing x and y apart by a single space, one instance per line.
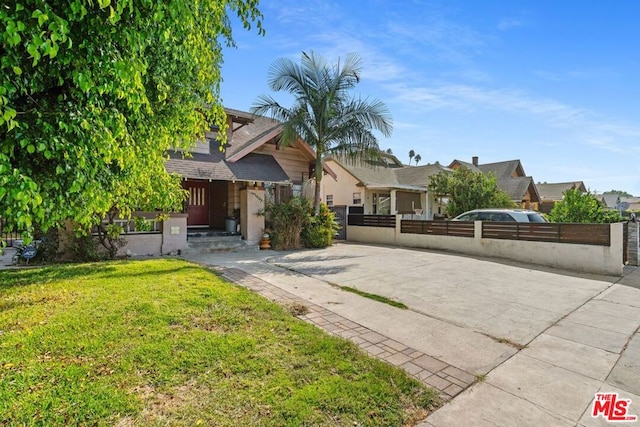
198 203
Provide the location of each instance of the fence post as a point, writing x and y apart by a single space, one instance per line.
396 234
477 230
633 240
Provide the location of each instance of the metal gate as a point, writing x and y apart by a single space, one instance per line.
8 237
341 219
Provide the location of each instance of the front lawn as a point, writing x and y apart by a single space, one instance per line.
166 342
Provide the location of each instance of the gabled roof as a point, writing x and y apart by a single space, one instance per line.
381 173
253 167
420 175
515 186
611 200
555 191
238 116
456 163
504 170
247 139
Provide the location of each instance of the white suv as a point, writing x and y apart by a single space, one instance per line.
501 215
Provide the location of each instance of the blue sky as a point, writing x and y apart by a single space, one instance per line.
555 84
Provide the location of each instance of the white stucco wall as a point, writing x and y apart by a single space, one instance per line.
142 245
251 214
584 258
343 188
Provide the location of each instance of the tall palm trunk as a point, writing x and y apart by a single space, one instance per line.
316 198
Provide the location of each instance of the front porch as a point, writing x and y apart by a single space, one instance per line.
217 208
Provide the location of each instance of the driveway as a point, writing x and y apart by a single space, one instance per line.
541 343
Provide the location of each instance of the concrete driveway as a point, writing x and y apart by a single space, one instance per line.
541 343
503 301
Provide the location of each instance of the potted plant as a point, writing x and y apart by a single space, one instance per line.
265 242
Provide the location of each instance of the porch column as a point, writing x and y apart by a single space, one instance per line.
392 203
252 214
426 202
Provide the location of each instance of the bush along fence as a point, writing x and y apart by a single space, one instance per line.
595 248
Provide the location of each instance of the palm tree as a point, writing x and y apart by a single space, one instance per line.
411 155
323 114
418 158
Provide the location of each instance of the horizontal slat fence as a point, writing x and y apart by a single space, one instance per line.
583 234
440 228
388 221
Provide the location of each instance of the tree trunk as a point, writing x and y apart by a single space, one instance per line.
316 199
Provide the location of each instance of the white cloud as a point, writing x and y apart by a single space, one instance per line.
588 127
508 23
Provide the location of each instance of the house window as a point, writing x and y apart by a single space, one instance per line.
329 200
381 203
297 190
357 199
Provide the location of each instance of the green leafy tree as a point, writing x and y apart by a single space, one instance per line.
620 193
323 114
467 190
576 206
94 93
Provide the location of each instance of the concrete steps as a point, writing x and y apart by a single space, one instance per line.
208 242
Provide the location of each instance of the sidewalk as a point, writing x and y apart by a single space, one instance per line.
590 346
447 379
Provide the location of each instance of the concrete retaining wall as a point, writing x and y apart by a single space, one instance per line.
587 258
172 239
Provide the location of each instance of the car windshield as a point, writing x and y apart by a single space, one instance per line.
535 217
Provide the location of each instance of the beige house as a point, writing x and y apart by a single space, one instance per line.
381 186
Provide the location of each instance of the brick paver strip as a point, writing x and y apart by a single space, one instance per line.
448 380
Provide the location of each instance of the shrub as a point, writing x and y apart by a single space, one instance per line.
292 225
581 207
85 248
48 245
286 221
321 229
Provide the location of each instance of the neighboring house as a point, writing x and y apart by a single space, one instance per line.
511 179
550 193
234 182
613 201
632 204
381 186
610 201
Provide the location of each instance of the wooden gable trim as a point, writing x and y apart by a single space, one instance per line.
311 155
256 144
533 190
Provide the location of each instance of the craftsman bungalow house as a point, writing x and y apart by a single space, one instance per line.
511 179
233 181
551 193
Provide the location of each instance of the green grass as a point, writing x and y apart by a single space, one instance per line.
165 342
375 297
